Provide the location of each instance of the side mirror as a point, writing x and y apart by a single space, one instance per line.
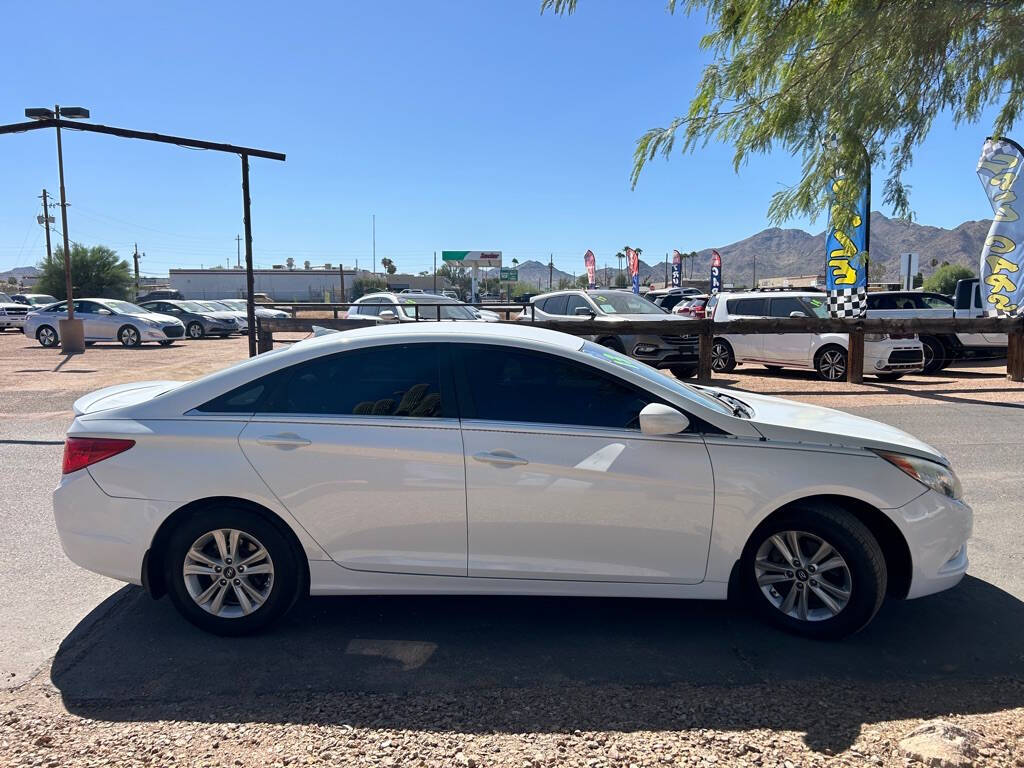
658 419
584 311
387 316
797 313
104 312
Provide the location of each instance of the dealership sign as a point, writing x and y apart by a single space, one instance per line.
472 258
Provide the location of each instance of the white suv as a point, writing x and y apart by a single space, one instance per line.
886 356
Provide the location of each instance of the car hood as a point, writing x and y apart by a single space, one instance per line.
14 305
789 421
156 317
220 315
121 395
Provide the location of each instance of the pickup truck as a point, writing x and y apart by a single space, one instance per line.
942 349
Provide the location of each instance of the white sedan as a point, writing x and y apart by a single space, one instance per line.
479 458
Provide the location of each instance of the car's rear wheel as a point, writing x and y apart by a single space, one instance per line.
195 330
129 336
230 571
830 363
816 571
722 358
683 371
46 336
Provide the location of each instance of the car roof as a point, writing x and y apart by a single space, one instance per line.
448 331
396 295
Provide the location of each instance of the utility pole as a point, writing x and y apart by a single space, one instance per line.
666 269
250 280
754 286
135 256
341 274
373 229
238 250
72 334
551 269
46 222
435 273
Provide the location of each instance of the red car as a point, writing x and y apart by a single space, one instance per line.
692 308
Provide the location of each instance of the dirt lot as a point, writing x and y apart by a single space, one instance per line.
596 684
27 366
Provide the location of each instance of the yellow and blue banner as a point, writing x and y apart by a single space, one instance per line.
846 255
1002 279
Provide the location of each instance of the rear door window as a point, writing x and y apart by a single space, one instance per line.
747 307
556 305
783 306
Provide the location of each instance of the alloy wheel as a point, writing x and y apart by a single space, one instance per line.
719 357
47 336
129 336
803 575
228 573
832 365
195 331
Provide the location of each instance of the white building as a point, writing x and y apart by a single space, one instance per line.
316 285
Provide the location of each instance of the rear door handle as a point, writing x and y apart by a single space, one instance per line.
286 441
500 458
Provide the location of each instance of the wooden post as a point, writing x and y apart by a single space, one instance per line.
704 357
1015 355
264 339
250 287
855 356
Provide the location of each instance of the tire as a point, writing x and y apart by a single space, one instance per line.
612 342
166 343
277 590
47 336
889 376
129 336
683 371
830 363
861 573
935 354
194 330
722 358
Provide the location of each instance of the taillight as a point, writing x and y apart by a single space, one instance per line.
80 452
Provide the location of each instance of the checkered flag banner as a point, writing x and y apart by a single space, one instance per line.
847 302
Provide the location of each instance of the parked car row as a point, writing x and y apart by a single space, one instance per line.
161 321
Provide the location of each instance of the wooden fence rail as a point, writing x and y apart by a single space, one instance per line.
706 330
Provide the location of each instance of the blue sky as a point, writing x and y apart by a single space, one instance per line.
461 124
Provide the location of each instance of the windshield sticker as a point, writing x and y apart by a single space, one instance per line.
816 302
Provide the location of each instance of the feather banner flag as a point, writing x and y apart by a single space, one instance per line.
716 271
634 268
589 263
677 269
1002 279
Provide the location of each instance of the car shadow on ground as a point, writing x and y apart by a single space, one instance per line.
517 664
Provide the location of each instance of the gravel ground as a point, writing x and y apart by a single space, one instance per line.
785 723
595 726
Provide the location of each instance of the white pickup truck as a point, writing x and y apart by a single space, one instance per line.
942 349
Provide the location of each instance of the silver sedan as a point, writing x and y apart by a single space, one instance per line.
105 320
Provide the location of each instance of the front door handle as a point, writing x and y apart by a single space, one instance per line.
286 441
500 458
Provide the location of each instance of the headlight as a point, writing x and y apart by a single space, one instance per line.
928 473
876 336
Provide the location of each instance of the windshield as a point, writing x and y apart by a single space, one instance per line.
451 310
818 305
6 298
235 304
126 308
205 306
657 377
622 303
194 306
40 300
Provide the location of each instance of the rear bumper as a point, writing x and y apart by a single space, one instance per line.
104 534
936 529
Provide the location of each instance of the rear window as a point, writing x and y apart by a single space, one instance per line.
747 307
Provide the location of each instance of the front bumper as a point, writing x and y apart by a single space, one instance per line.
12 321
164 333
104 534
936 529
216 328
906 358
663 351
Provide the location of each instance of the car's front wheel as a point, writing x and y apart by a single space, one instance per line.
129 336
230 571
195 330
817 571
46 336
831 363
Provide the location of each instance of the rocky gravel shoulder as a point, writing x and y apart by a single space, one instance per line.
787 725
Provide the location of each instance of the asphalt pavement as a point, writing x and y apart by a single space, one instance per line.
113 646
